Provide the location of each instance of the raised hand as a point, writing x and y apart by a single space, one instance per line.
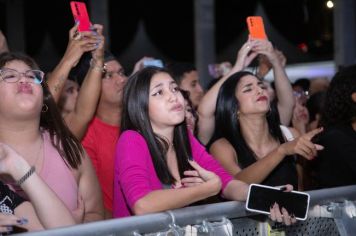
139 64
302 145
3 43
80 42
11 162
98 51
245 56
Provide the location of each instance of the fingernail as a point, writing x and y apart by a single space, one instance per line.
22 221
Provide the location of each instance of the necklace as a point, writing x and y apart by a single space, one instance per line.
38 152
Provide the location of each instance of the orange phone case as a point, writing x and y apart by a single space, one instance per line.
256 27
80 14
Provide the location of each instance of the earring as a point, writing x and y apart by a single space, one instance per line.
44 108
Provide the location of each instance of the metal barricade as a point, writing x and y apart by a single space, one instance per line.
332 212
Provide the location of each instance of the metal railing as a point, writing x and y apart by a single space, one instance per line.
332 212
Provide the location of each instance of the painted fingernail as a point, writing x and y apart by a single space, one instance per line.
22 221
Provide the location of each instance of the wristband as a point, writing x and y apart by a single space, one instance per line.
26 176
94 66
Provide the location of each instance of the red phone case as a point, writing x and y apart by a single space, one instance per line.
256 27
80 14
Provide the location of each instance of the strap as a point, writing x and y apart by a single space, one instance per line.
286 132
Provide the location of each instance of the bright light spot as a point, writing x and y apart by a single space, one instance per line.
330 4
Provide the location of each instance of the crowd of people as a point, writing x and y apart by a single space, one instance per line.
86 142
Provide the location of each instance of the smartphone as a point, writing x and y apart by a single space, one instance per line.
256 27
153 62
80 14
261 197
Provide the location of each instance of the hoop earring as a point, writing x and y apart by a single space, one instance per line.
44 108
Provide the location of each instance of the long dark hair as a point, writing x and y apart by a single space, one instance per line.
135 116
227 124
62 139
339 108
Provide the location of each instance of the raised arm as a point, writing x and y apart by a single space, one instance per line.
46 209
276 60
75 49
206 108
3 43
89 93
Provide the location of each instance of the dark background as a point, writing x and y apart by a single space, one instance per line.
304 29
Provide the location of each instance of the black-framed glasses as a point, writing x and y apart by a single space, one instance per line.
13 76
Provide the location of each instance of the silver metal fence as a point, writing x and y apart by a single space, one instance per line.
332 212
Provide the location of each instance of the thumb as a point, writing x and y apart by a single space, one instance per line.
319 147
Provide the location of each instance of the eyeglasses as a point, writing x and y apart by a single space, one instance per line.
13 76
301 94
110 74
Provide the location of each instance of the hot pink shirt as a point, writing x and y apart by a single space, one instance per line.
135 175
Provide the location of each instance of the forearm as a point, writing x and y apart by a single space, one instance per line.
258 171
56 80
236 190
206 109
50 210
284 93
167 199
89 93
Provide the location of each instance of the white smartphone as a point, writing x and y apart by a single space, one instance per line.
261 197
153 62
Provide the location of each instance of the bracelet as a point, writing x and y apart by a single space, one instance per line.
94 66
26 176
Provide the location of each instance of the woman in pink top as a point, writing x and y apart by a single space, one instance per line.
31 124
159 164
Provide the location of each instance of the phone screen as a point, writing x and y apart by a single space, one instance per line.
80 14
256 27
154 62
261 198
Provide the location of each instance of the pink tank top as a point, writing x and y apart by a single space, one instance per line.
57 175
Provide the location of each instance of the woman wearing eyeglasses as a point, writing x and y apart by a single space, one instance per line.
31 124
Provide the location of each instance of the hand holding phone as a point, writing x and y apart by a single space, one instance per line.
80 14
256 27
219 70
261 198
